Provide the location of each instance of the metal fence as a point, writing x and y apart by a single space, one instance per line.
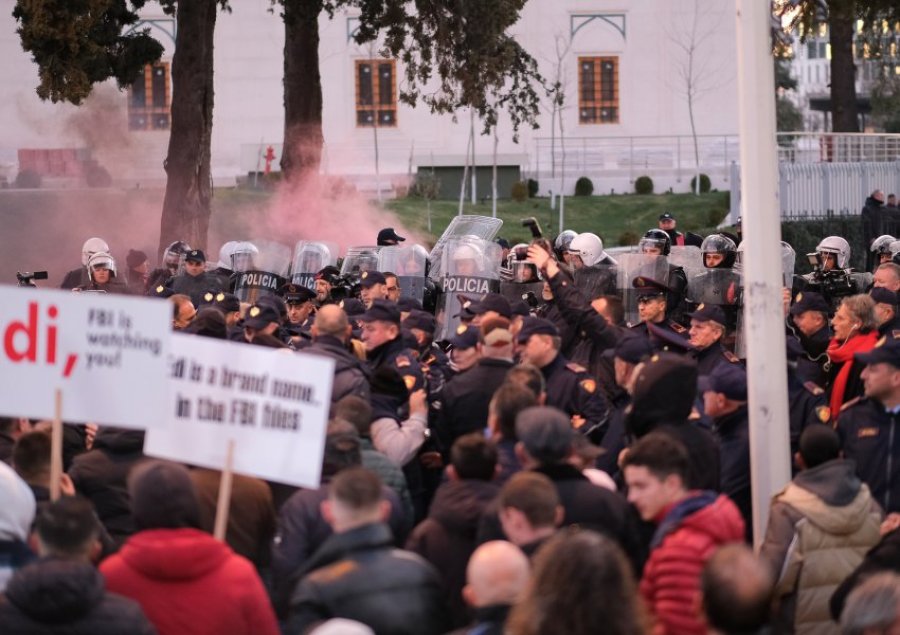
822 190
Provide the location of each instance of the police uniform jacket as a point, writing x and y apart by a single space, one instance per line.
194 286
811 367
675 298
890 329
807 404
870 436
394 354
712 356
572 389
670 325
466 398
733 432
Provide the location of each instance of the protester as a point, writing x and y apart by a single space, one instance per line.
17 508
737 591
496 577
604 600
331 335
854 332
529 510
873 607
186 581
63 592
508 401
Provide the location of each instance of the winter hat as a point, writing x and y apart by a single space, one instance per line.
135 258
163 496
17 505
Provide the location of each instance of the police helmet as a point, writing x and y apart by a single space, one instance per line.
173 258
92 246
882 244
101 259
719 244
588 247
836 246
656 238
243 255
225 252
561 244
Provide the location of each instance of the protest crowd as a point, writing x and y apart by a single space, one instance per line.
538 438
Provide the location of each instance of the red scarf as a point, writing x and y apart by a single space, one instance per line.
842 353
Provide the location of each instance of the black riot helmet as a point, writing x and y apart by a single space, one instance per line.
721 245
658 239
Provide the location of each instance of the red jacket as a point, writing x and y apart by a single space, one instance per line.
686 538
189 583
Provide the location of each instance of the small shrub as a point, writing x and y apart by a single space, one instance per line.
584 186
519 191
28 179
715 216
532 188
427 186
628 238
643 185
704 184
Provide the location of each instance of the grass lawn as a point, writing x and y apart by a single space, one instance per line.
618 219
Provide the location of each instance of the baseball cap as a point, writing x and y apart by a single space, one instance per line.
492 302
881 295
227 302
728 379
381 311
388 234
371 278
195 255
809 301
209 322
666 216
536 326
421 320
546 433
259 316
466 337
632 349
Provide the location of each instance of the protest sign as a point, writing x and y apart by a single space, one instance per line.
106 354
272 403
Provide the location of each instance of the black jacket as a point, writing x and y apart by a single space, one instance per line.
394 354
102 476
446 538
733 433
572 389
195 286
59 596
807 405
351 374
871 437
489 620
466 398
359 575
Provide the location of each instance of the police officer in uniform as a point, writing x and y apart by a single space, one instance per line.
869 426
569 386
653 307
384 345
706 333
300 309
656 242
807 402
808 323
886 311
195 281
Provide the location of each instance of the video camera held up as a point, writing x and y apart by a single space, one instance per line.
27 279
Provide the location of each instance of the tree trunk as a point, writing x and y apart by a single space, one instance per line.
186 207
303 138
844 113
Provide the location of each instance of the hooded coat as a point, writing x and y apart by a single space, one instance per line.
447 537
688 534
189 583
820 527
17 509
61 596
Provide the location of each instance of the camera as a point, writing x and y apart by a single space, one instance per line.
27 279
345 286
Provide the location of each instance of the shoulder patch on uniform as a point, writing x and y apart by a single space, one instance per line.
402 361
675 326
823 412
576 368
731 357
814 388
850 403
895 334
589 385
410 381
208 297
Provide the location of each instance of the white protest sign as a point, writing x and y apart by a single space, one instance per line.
272 403
106 353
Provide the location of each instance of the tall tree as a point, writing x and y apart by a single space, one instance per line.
78 43
187 204
455 54
841 16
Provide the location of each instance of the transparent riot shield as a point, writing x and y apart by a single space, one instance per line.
631 266
482 228
260 273
409 265
597 280
360 259
788 261
688 258
471 268
721 287
309 258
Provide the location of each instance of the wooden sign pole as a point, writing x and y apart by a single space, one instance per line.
56 457
224 501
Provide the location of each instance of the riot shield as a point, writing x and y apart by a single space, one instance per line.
722 287
788 259
360 259
409 265
471 268
597 280
310 258
688 258
261 273
632 265
482 228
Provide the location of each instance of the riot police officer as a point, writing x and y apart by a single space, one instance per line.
194 282
832 276
384 346
657 242
172 264
652 299
101 268
79 277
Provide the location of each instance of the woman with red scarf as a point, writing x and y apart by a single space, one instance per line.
854 332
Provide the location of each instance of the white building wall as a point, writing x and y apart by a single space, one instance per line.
249 98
